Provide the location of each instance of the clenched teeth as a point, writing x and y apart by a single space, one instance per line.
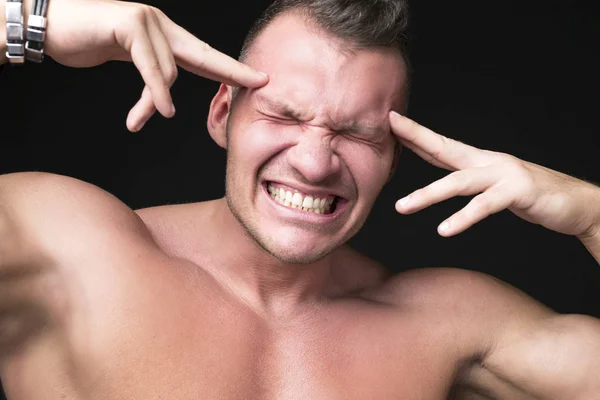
301 201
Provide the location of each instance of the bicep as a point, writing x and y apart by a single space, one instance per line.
47 217
556 357
526 347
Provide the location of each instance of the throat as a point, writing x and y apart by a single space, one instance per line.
255 277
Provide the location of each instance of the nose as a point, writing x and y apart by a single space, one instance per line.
313 156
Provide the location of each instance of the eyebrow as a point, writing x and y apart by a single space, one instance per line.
356 127
287 109
279 106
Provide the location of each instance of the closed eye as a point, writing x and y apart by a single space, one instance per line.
280 118
363 138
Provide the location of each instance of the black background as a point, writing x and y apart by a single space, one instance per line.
515 76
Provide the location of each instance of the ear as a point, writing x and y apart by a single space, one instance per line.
397 151
219 110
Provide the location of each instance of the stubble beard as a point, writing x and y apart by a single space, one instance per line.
250 227
251 230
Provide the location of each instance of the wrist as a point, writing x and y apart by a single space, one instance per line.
594 204
591 237
2 33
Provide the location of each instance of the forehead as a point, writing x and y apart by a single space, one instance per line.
314 71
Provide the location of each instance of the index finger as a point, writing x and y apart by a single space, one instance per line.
199 58
434 147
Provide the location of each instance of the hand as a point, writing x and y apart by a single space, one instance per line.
85 33
500 181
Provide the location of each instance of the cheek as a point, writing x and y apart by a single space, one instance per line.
369 166
256 143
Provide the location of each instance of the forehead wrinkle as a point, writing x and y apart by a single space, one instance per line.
280 106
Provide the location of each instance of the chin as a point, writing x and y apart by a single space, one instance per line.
288 249
291 254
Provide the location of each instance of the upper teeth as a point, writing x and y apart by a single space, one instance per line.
299 200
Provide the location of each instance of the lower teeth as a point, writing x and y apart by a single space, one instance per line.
326 210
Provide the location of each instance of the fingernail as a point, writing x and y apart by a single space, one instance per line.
395 113
263 74
173 109
404 201
445 227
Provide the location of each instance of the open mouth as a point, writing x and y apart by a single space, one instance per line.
312 203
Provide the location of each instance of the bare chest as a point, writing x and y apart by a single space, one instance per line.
174 336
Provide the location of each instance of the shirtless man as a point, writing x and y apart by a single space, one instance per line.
249 297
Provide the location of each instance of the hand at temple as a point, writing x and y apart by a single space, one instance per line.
85 33
499 181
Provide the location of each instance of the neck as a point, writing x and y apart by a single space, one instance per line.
266 283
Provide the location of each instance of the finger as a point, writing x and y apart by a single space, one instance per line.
144 57
144 109
466 182
163 50
425 156
436 147
199 58
482 206
141 112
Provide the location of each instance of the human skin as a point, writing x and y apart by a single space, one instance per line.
180 302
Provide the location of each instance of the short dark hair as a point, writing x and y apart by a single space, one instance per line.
361 23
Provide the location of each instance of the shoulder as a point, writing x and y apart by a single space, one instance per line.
479 307
180 229
452 285
508 342
63 213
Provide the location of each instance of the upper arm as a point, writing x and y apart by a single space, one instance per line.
51 227
526 348
46 217
510 344
555 358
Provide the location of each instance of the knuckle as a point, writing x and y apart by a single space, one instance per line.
139 13
456 182
172 74
455 178
517 171
153 69
448 143
204 47
480 206
158 13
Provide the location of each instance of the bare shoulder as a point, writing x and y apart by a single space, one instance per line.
480 308
459 287
510 345
180 229
60 212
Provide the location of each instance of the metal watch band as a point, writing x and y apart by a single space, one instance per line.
15 51
36 31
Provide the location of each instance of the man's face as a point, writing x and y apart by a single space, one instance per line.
309 152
